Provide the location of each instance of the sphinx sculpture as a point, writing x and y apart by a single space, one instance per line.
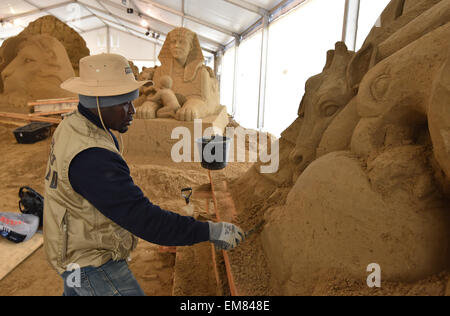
193 83
33 67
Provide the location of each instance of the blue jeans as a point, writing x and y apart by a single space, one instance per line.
114 278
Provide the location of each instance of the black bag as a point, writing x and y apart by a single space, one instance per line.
31 202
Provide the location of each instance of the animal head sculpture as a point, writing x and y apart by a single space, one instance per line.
325 96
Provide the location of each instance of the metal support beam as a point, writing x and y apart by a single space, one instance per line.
183 9
118 20
94 29
282 8
350 27
80 19
108 40
90 10
237 43
248 6
263 72
133 35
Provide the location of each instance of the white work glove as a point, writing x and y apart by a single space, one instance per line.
225 236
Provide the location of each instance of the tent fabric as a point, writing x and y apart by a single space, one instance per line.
217 22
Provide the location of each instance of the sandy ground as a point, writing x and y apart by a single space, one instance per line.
162 183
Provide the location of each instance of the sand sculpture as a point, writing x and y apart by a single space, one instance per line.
147 73
74 44
146 90
373 186
194 84
166 98
33 67
134 68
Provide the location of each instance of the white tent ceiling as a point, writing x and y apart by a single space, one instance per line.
217 22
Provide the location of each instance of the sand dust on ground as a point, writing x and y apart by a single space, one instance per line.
162 182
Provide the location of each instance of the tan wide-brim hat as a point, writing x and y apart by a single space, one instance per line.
103 75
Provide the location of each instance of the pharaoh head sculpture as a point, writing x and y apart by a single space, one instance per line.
182 45
33 67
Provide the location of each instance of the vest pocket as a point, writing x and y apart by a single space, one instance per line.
123 244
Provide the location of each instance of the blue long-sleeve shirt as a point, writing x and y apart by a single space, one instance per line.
103 178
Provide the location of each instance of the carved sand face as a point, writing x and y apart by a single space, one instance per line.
180 46
325 96
37 71
393 98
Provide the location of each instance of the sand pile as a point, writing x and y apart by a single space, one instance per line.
364 174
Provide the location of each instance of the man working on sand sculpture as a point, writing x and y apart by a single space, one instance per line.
93 210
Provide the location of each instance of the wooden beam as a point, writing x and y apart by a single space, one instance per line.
26 117
41 114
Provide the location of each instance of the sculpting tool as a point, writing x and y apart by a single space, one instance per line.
255 228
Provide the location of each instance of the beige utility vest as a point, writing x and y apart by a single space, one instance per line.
75 232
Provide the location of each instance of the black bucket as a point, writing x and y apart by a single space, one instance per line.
214 151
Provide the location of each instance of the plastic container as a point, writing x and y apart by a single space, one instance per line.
214 151
32 132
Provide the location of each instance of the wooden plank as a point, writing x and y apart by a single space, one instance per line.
50 113
52 101
12 254
231 283
11 123
55 107
26 117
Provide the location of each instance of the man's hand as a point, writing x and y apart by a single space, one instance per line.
225 236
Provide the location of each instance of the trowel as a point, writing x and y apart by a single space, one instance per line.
186 193
256 228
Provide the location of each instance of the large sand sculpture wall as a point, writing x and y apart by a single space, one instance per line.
364 173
